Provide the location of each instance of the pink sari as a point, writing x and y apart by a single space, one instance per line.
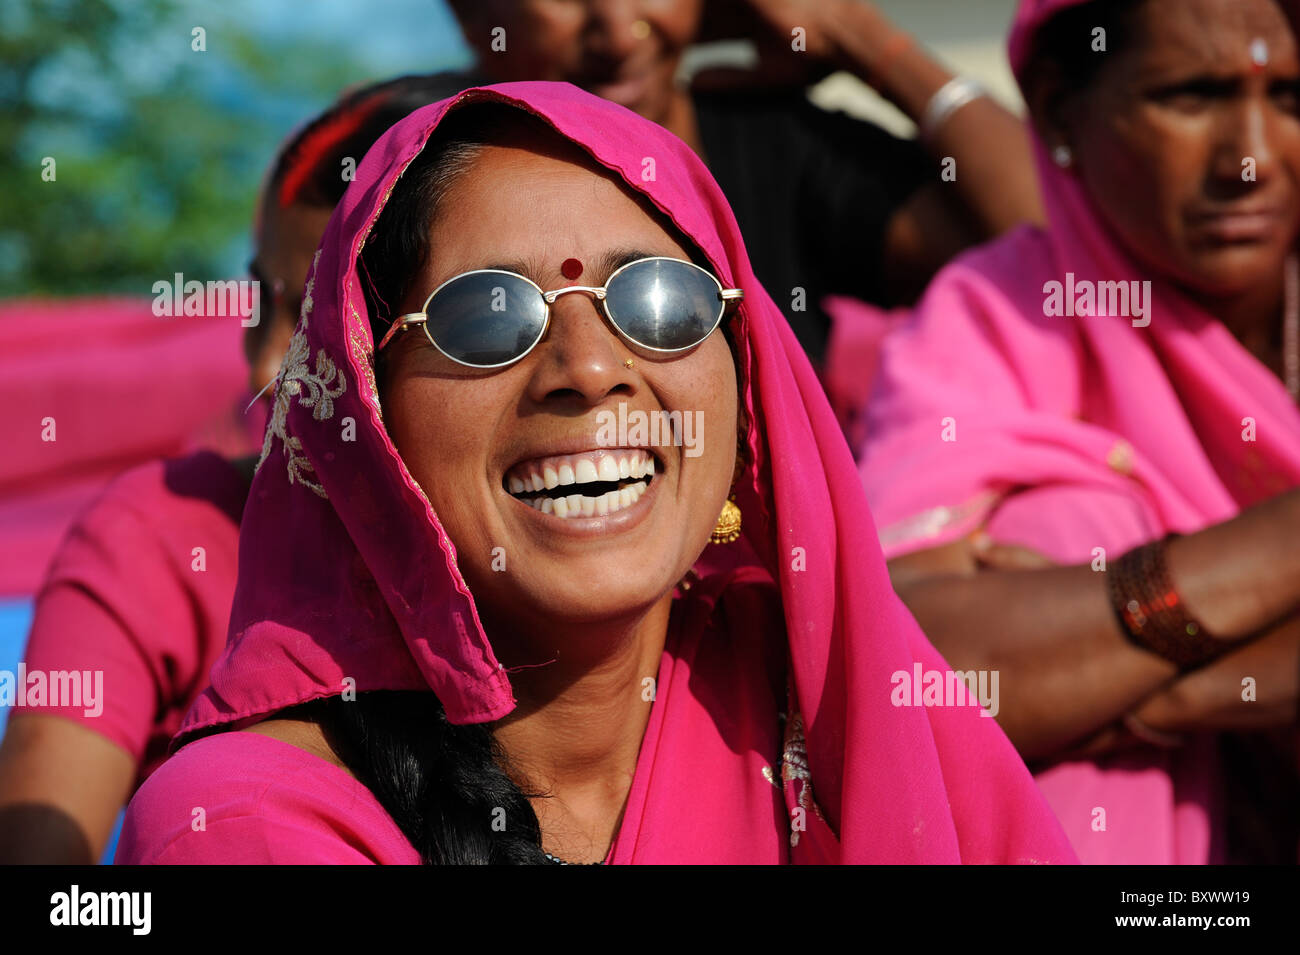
122 387
346 573
1071 434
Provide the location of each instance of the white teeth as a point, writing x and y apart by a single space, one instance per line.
636 466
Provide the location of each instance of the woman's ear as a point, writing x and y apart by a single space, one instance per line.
1049 100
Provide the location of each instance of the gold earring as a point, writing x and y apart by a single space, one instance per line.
728 527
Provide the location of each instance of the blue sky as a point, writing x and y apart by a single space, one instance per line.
398 36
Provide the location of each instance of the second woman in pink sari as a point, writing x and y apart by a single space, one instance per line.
1071 394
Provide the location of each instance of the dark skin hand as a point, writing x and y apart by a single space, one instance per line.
1076 650
1052 634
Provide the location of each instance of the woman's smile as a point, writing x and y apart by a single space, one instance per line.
596 482
599 491
592 508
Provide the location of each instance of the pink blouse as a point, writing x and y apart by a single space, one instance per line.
140 591
241 798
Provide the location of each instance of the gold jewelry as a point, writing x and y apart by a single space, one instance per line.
728 527
628 363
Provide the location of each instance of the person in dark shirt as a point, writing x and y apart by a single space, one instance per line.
828 204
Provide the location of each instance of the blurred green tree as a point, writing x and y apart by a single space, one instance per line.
159 135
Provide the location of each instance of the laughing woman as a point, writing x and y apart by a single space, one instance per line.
465 631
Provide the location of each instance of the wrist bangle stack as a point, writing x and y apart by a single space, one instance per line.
1151 611
949 98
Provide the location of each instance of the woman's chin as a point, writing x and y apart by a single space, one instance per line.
589 589
1228 271
575 603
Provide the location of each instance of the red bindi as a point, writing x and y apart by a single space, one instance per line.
571 269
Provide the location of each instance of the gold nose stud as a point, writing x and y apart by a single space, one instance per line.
628 363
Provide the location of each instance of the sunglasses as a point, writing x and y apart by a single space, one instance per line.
490 318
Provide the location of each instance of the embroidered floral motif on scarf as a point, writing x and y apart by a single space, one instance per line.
314 389
796 777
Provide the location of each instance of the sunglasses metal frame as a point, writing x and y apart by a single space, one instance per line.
726 296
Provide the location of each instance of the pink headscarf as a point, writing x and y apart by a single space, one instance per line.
1070 434
346 572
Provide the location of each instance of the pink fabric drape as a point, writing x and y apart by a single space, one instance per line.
346 572
852 355
1069 434
122 387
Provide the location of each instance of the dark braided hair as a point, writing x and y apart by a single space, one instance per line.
444 785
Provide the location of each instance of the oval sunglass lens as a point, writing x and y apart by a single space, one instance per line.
664 304
486 318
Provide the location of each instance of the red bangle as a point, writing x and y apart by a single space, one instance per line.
1152 612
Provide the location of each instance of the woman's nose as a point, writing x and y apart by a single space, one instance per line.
581 355
1248 148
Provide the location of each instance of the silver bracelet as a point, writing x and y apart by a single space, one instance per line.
952 96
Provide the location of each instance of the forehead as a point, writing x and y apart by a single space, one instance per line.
1213 34
519 204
